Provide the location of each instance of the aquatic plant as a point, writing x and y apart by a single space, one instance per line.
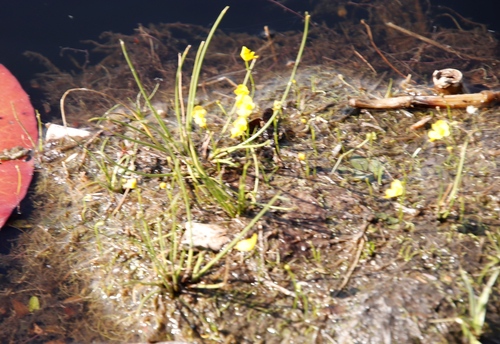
190 173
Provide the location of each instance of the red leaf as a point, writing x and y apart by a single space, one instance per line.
20 308
18 128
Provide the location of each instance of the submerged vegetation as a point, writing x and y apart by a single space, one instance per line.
248 203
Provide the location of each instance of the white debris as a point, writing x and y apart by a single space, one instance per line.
58 132
471 109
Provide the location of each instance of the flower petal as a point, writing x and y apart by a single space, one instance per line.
247 244
241 90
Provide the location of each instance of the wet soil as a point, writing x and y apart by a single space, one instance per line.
335 260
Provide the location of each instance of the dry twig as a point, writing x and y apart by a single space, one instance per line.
360 243
455 101
370 36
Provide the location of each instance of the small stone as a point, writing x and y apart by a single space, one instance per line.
204 236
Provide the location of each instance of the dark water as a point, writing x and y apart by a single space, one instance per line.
50 25
47 26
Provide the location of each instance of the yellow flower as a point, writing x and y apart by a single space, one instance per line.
371 136
244 112
241 90
439 130
395 190
244 106
247 244
129 183
240 126
247 55
301 156
199 114
276 105
244 101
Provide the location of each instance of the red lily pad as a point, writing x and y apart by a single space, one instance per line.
18 133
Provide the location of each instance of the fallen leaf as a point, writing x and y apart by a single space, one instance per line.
18 130
38 330
20 308
70 311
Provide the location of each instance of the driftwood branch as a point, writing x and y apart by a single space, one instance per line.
482 99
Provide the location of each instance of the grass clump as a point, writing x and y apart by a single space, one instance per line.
189 175
193 180
472 324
